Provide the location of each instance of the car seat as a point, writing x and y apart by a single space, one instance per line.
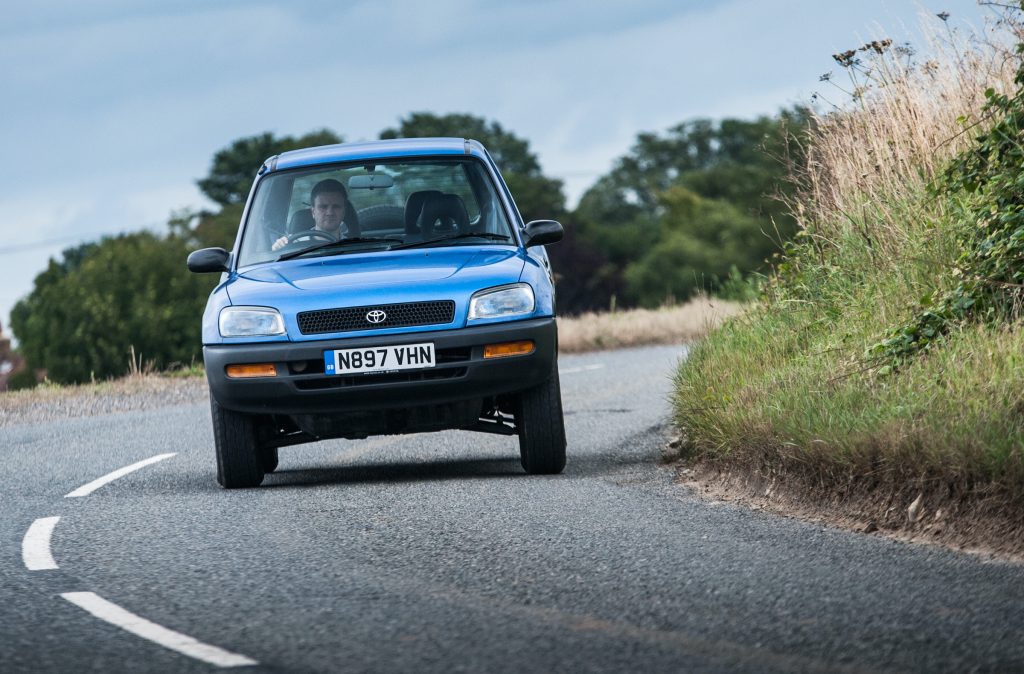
413 209
443 216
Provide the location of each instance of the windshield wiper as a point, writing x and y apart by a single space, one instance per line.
337 244
452 237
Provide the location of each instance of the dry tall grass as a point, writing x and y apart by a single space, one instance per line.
906 119
638 327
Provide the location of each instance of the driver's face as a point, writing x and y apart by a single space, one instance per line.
328 211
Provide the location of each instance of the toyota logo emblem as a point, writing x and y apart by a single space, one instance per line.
376 316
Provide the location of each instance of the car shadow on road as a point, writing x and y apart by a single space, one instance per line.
418 471
588 465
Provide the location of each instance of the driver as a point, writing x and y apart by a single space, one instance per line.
329 201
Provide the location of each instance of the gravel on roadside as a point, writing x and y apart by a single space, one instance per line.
133 393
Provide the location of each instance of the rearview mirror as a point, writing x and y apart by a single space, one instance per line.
541 232
372 181
208 260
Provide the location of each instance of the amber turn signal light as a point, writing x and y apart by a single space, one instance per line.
506 349
249 371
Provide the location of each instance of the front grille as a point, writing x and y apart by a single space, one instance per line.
397 316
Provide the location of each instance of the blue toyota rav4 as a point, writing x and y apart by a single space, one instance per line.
381 288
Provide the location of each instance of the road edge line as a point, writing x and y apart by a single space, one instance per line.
158 634
35 546
90 487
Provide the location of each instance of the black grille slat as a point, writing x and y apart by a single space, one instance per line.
314 384
402 315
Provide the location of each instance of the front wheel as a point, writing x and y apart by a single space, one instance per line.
238 452
541 427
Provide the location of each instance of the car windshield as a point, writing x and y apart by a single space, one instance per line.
373 206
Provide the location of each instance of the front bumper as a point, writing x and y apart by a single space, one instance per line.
460 373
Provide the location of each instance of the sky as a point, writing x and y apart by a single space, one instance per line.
112 109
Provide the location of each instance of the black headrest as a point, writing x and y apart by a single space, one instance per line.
414 206
441 215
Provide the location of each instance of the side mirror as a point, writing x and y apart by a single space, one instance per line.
208 260
541 232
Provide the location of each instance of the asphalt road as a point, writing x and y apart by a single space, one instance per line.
436 553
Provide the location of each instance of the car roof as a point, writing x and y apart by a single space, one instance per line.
374 149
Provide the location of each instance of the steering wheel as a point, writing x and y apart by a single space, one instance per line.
310 235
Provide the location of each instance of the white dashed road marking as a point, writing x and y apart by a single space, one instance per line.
35 552
87 489
35 547
176 641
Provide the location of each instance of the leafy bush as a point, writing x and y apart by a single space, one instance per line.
985 182
103 302
22 379
700 241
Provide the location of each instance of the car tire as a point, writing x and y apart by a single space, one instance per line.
268 459
238 457
541 427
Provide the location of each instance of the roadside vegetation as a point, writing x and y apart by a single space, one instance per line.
882 371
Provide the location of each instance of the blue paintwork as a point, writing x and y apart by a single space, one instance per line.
379 149
372 278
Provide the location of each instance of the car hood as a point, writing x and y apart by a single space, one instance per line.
373 278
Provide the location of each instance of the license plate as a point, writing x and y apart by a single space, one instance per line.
379 359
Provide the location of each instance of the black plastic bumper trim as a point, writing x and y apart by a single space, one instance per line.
308 393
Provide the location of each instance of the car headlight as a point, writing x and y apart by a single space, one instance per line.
250 322
501 302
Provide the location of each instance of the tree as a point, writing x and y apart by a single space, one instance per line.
537 196
235 166
584 277
104 301
738 163
205 229
699 242
707 158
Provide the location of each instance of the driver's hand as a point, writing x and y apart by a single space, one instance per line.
280 243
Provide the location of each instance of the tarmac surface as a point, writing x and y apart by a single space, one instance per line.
437 553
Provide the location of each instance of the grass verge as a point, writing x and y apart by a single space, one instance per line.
786 404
